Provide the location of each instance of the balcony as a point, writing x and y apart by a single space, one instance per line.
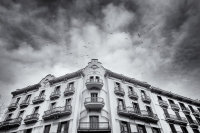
121 110
119 91
174 106
94 127
163 103
196 113
94 103
38 99
132 95
57 112
31 118
185 110
146 99
69 91
142 114
10 124
176 120
55 95
94 84
12 106
193 124
24 104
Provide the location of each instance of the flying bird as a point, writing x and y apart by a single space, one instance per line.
108 25
138 35
126 38
85 46
70 53
111 33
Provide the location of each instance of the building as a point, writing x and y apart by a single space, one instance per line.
97 100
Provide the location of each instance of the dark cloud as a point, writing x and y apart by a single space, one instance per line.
48 36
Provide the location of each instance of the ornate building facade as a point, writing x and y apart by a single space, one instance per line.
97 100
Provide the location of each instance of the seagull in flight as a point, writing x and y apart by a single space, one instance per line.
139 35
85 46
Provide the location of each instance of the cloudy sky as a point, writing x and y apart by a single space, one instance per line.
149 40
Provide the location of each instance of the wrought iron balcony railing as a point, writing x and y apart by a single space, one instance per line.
146 99
38 99
193 124
69 91
132 95
174 119
54 95
94 83
196 113
31 118
94 103
94 126
57 112
163 103
174 106
119 91
185 110
11 123
12 106
24 103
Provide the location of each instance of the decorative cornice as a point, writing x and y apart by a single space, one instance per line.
26 89
175 96
127 79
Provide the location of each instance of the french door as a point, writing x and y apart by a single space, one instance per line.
94 97
94 122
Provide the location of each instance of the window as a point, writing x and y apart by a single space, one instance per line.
91 78
141 129
182 105
94 122
36 109
191 108
171 101
17 101
117 85
71 84
155 130
149 110
42 93
184 129
28 130
195 130
121 104
136 107
198 109
143 93
177 115
47 128
198 120
52 105
9 116
20 115
63 127
159 98
68 102
189 118
172 128
97 78
57 88
166 112
130 88
28 98
94 97
124 127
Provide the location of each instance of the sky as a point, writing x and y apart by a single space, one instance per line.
156 41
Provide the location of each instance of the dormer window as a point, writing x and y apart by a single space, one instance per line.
130 88
57 88
117 85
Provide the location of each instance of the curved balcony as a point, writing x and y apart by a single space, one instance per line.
175 107
121 110
196 113
11 123
176 120
24 104
146 99
94 84
31 118
133 95
193 124
94 103
69 91
186 110
94 127
38 99
57 112
55 95
12 106
119 91
163 103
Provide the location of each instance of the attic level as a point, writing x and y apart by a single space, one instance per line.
94 64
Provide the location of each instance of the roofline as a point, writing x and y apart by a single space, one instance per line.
53 81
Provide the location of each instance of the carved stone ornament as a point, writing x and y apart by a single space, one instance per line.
94 67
